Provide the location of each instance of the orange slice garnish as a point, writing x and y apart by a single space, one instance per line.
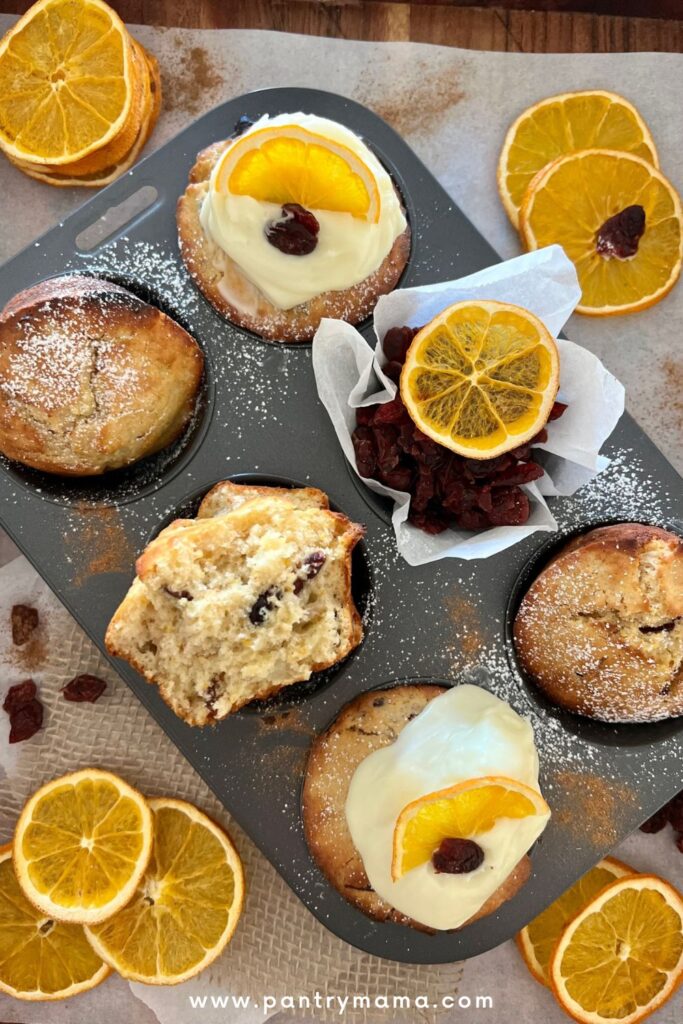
463 811
288 164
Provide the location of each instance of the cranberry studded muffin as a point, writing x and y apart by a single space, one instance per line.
291 220
91 377
234 606
390 751
600 631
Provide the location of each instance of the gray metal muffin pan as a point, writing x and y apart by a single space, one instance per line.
260 414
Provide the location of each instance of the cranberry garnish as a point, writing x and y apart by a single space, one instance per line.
619 236
296 234
84 688
457 856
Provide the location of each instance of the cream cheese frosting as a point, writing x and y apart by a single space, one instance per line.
349 248
465 733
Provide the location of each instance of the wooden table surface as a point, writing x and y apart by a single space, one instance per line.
553 26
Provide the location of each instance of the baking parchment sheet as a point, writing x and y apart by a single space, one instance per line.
453 107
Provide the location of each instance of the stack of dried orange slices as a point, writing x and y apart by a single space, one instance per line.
581 170
98 878
611 947
78 96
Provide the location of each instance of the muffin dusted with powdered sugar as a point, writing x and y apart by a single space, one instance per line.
600 631
91 377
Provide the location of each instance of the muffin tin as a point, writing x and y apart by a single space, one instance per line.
260 415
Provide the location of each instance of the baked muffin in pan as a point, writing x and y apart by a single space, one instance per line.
600 630
293 220
91 377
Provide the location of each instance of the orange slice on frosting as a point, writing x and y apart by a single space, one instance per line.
464 810
289 164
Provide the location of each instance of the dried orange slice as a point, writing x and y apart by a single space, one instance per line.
289 164
40 958
186 907
462 811
563 124
619 221
481 378
62 177
622 956
66 81
537 942
81 845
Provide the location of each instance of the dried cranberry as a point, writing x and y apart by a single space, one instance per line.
396 343
365 415
390 412
457 856
241 125
393 370
180 595
675 808
263 604
24 623
620 234
557 410
84 688
400 479
19 694
296 233
366 453
26 721
388 451
311 566
665 627
656 822
430 522
521 473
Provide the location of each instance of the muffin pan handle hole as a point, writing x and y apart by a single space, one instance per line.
116 218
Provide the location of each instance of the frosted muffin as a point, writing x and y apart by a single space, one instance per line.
291 221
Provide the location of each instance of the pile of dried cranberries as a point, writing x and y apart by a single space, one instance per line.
446 490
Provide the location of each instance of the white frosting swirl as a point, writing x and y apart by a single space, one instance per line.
349 249
466 733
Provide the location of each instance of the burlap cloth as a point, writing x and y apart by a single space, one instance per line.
453 107
279 947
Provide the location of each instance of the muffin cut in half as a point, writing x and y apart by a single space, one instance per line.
91 377
600 631
234 607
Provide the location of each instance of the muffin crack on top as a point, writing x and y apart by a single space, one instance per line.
91 377
600 631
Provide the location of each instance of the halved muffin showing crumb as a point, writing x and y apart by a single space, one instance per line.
233 608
